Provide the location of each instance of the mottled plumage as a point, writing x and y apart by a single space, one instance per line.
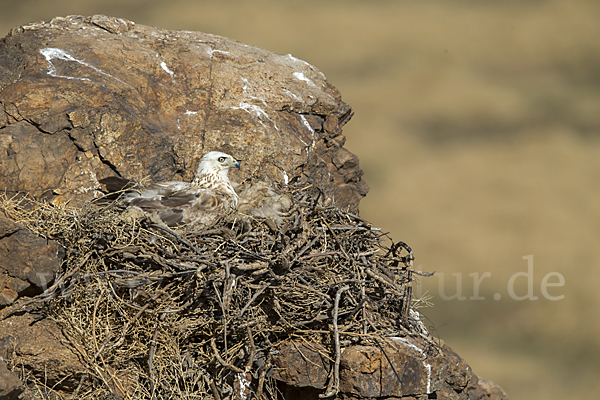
259 200
200 202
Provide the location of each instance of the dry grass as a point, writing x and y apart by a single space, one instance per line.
157 313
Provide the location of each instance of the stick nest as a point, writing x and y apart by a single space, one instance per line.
161 313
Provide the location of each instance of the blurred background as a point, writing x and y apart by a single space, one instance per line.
478 127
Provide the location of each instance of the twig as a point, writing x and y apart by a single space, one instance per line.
76 391
252 348
232 367
352 228
102 347
327 253
151 356
308 246
214 389
251 267
261 377
182 240
407 299
313 290
334 385
337 239
141 310
422 273
112 271
363 299
262 289
384 280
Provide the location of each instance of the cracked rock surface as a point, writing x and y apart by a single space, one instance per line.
82 98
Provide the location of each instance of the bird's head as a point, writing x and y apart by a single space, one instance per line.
216 162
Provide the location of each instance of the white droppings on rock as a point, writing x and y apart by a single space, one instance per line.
311 130
291 57
310 66
246 85
244 386
51 53
163 65
302 77
253 109
292 94
211 52
286 178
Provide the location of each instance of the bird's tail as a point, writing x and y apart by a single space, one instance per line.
116 184
114 187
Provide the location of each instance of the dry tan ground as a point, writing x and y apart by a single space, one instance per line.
478 127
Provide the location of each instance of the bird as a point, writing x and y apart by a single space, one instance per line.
260 200
198 203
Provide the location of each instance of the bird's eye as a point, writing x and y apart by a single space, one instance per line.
221 159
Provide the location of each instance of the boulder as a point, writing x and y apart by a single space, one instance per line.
10 385
83 98
38 346
398 367
28 263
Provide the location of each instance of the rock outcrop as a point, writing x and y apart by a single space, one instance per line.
401 367
28 263
83 98
10 385
38 345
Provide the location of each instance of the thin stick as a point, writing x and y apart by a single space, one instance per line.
327 253
382 279
262 289
363 300
182 240
102 347
252 349
76 392
262 375
308 246
232 367
151 356
213 388
335 387
221 302
337 239
407 299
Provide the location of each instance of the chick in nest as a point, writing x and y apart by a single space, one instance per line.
259 200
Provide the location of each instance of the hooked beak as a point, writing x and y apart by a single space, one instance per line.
236 163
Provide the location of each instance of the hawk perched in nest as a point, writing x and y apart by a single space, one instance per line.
200 202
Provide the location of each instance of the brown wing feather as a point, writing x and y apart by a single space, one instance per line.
172 216
178 199
184 206
148 205
201 202
116 183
